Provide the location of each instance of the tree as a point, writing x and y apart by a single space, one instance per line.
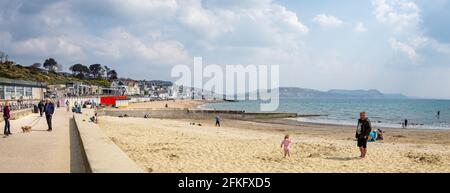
36 65
3 57
76 68
51 64
85 70
112 75
80 70
97 70
107 70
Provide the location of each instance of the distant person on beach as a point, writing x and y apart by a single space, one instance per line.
167 106
285 144
363 130
49 110
405 124
438 114
6 117
217 121
41 107
67 105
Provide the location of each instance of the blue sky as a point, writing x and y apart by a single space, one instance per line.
396 46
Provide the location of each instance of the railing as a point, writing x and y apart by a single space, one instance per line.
18 106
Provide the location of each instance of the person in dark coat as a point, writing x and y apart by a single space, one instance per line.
217 121
41 106
362 133
7 117
49 109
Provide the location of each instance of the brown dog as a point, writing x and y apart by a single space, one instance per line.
26 129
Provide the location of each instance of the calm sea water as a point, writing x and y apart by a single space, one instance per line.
420 113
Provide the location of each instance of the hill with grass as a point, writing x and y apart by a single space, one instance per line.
11 70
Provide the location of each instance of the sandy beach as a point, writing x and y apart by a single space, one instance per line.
165 145
178 104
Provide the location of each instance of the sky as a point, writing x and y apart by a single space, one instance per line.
395 46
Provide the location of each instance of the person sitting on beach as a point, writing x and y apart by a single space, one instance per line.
363 130
373 136
217 121
285 144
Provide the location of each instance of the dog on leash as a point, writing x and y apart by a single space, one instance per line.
26 129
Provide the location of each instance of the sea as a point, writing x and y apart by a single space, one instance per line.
383 113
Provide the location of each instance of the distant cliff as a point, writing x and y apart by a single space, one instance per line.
292 92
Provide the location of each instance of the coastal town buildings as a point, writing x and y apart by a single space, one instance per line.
11 89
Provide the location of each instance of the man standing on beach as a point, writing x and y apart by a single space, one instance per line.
438 114
362 133
217 121
49 110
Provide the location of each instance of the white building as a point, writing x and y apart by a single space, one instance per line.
11 89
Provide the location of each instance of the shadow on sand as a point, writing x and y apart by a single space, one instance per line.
343 158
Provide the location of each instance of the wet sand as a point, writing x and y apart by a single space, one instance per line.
179 104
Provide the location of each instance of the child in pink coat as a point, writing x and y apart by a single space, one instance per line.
285 144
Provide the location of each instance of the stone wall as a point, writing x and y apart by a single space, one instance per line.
191 114
18 114
102 155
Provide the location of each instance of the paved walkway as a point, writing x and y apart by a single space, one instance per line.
42 151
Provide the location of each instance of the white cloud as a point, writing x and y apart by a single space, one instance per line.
360 27
48 46
404 19
399 14
327 20
406 49
129 46
217 21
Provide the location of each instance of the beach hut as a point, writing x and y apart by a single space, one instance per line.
110 100
122 102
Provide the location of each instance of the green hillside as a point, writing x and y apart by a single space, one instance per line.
13 71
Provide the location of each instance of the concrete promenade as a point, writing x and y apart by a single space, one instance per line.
39 151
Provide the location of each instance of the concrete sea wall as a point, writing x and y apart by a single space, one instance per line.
191 114
101 154
19 114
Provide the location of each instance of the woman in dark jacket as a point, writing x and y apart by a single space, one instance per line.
7 116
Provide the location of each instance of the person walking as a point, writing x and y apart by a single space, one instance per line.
49 110
6 117
41 107
67 105
217 121
362 133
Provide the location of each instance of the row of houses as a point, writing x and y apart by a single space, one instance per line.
28 90
128 87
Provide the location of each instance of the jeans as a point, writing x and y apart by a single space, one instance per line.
7 127
49 121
